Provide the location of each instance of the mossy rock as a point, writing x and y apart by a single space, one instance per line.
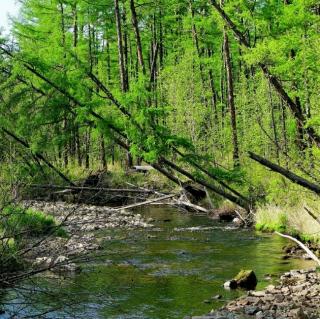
246 279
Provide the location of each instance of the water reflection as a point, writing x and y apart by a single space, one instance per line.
165 272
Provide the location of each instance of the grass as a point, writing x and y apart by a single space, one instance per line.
294 221
17 227
17 221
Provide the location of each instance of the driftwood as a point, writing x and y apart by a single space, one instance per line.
242 218
185 203
179 202
147 202
284 172
304 247
92 189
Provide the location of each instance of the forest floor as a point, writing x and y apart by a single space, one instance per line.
296 296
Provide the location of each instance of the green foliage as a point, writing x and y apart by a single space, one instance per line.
236 175
77 121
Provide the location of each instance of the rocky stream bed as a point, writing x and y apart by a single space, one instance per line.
81 222
296 295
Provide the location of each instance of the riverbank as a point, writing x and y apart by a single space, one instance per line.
296 296
81 223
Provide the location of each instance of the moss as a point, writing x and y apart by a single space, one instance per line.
246 279
242 274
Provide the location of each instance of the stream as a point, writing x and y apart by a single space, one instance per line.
169 271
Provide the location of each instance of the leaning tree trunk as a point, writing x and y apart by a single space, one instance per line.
286 173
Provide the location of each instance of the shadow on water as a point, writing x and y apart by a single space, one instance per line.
169 271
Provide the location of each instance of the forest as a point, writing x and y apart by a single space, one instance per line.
208 107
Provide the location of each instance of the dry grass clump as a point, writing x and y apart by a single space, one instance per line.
291 220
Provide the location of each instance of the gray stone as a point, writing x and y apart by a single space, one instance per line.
251 310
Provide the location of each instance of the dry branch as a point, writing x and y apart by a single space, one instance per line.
155 200
305 248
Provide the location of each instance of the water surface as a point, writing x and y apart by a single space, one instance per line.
170 271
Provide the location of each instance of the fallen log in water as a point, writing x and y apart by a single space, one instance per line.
176 202
181 202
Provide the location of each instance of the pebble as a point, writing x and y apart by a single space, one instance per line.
80 221
296 297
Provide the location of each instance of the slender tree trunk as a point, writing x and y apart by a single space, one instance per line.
76 134
274 125
231 104
87 148
161 48
135 25
125 49
65 121
103 158
196 43
121 62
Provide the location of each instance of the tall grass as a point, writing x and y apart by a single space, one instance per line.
292 220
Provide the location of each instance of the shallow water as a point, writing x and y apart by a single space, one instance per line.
169 271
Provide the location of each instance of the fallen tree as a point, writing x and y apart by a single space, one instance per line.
159 165
38 155
286 173
304 247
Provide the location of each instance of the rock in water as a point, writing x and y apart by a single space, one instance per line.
246 279
238 222
230 284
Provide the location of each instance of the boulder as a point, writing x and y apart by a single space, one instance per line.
227 215
230 284
246 279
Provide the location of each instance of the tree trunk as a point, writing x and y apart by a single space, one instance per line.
121 61
230 95
135 25
103 159
312 135
285 172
